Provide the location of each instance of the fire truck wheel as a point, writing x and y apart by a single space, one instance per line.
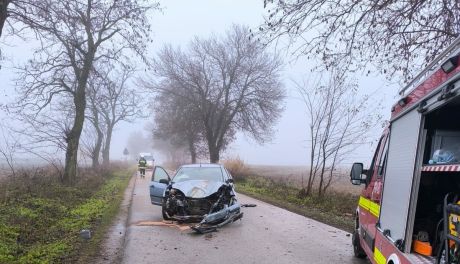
357 249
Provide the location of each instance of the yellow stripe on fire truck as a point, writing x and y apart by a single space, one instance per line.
370 206
379 257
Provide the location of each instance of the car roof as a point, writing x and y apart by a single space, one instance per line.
202 165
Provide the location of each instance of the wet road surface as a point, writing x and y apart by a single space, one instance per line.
266 234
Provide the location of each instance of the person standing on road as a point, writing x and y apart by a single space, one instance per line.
142 165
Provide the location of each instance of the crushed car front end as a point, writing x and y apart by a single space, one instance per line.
212 204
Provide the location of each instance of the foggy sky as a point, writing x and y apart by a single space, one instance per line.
177 24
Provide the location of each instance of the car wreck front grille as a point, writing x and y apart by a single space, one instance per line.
199 206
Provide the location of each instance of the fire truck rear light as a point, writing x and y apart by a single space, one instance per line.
450 64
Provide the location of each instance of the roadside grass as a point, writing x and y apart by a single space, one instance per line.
40 219
335 208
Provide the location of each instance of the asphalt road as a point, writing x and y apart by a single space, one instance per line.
266 234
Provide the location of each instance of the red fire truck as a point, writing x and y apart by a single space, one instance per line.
409 209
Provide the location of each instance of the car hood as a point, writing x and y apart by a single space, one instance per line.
197 188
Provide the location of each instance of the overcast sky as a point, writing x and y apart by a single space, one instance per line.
178 22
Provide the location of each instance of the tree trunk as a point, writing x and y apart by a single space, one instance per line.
323 169
106 150
100 136
192 149
312 159
97 149
213 147
193 156
329 180
73 137
3 13
214 154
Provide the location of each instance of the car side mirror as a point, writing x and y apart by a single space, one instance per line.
165 181
230 181
356 174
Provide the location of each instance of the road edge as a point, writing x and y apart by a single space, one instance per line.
114 241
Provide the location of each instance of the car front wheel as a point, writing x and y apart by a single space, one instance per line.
163 212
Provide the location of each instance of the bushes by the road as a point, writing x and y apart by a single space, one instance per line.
236 167
336 209
40 219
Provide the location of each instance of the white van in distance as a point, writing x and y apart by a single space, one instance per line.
148 157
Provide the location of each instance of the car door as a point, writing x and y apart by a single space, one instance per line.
158 184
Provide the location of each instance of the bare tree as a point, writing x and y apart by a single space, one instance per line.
338 124
396 36
111 101
75 34
117 102
177 122
93 144
231 82
88 145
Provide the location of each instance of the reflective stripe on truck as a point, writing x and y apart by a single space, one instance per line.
368 205
379 257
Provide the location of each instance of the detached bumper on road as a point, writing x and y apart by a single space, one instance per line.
211 222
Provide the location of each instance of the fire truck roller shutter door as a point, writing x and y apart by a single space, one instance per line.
404 136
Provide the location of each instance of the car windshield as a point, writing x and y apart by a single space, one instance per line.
198 173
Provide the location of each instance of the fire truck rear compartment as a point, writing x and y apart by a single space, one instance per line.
443 132
433 187
442 128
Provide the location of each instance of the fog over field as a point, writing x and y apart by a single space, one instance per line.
177 24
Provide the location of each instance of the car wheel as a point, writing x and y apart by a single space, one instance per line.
358 251
163 212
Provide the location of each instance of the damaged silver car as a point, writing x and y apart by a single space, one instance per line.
202 193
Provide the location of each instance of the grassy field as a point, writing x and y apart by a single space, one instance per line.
335 209
40 219
292 175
